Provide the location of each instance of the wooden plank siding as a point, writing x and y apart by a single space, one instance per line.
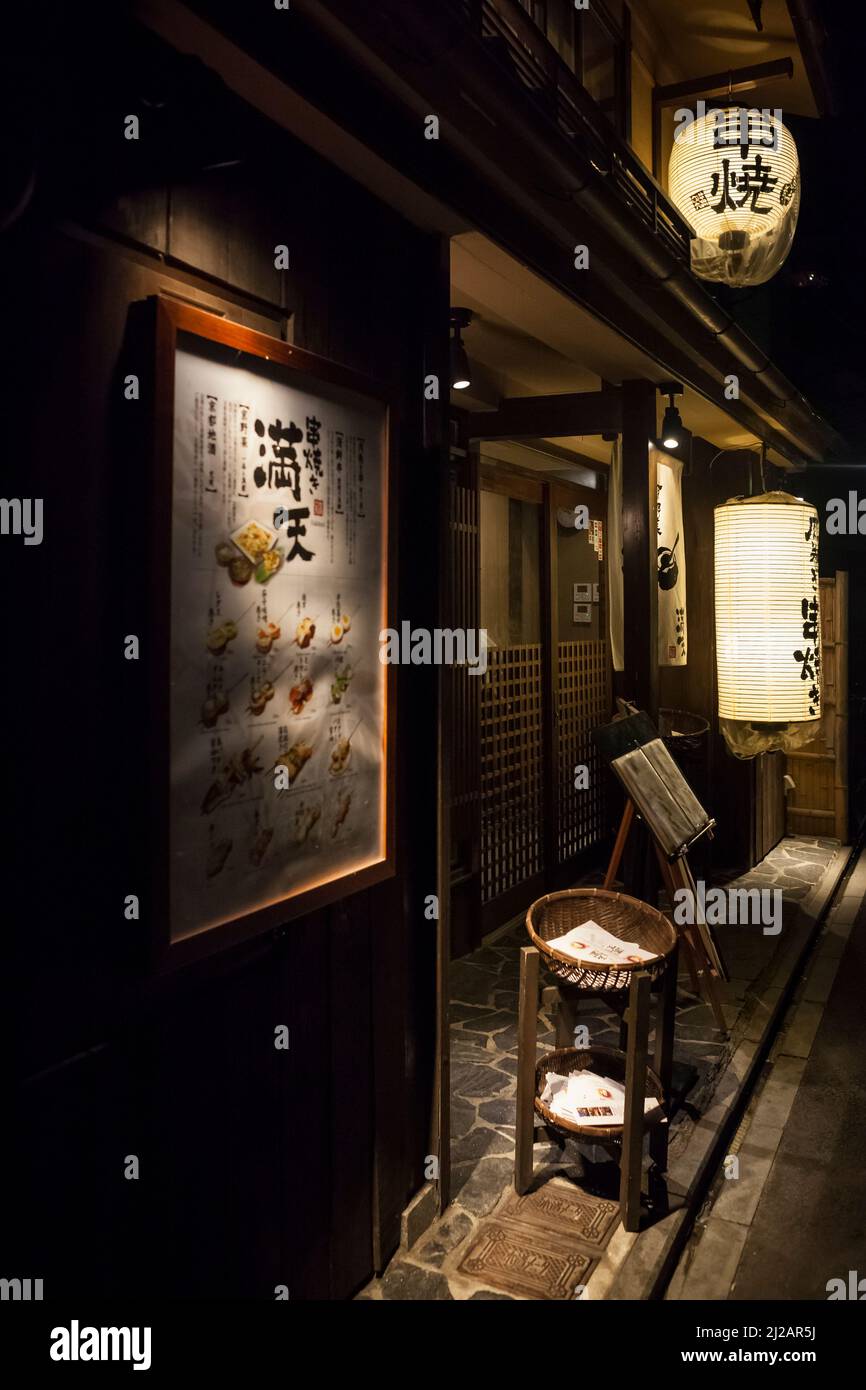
258 1168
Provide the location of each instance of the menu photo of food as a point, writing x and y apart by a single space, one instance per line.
342 675
339 808
260 843
292 762
305 822
304 690
277 693
340 629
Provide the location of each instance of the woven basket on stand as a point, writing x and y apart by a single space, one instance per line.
624 917
605 1061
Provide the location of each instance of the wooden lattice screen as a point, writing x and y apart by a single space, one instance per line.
511 770
463 615
584 703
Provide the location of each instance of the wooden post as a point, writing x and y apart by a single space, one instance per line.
658 173
566 1013
436 435
671 884
635 1093
619 846
664 1054
527 1034
549 571
476 8
840 732
639 557
681 876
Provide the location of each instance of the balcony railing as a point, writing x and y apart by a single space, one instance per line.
525 53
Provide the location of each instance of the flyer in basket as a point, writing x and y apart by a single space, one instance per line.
592 943
586 1098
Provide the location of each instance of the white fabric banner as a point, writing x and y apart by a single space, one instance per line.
614 559
671 553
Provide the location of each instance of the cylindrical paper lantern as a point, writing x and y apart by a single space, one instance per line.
734 175
768 617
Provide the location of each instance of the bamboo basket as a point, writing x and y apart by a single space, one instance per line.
624 917
607 1061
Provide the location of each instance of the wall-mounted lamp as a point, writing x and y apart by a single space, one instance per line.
461 371
673 433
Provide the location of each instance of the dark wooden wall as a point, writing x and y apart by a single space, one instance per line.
258 1168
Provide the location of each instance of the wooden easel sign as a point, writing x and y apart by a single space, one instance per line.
657 790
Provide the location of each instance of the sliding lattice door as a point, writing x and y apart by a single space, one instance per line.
541 600
584 700
512 763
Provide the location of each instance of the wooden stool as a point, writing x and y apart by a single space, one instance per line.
632 1063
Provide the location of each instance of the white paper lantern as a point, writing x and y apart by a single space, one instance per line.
768 622
734 175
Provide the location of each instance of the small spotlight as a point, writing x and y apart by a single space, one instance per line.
461 376
673 431
461 371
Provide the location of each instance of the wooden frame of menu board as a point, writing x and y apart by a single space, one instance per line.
273 755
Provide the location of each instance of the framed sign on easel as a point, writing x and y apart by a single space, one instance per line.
657 791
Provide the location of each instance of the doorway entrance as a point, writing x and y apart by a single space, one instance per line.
541 806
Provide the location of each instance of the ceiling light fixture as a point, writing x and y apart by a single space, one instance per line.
673 431
461 371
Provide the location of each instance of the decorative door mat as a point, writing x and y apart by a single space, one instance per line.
567 1211
528 1261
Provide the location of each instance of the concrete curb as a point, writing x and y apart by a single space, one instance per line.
649 1263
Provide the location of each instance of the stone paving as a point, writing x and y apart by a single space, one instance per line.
484 1071
805 1104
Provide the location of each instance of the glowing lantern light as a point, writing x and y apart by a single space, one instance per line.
768 622
734 175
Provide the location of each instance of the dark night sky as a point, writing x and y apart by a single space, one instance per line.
815 332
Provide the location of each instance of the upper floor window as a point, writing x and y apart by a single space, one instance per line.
593 43
537 9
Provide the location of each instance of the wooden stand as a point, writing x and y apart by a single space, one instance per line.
676 875
637 1060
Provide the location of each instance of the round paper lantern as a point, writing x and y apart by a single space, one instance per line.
734 175
768 622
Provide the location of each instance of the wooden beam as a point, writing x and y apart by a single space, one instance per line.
639 561
719 84
549 417
811 39
571 457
